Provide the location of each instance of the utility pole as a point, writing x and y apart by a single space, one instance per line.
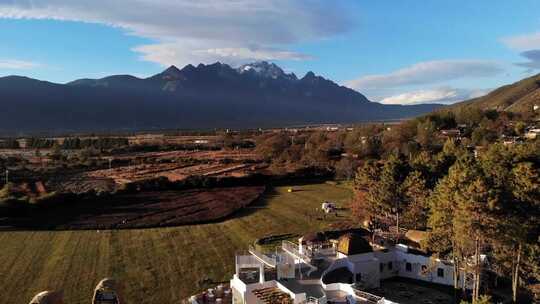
397 220
7 176
397 223
110 163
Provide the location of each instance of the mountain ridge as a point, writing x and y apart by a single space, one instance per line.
203 96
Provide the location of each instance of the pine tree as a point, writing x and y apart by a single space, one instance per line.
445 210
523 226
415 194
471 225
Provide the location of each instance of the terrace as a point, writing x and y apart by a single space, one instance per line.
349 269
302 270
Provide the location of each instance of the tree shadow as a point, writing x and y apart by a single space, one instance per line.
133 211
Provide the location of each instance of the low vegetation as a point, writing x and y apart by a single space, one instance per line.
162 265
462 171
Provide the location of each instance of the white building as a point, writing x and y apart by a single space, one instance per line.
338 270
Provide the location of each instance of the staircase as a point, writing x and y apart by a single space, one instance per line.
292 249
268 261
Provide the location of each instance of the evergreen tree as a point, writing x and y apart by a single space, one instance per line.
523 226
415 195
471 225
446 207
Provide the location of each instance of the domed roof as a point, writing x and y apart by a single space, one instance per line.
314 237
352 243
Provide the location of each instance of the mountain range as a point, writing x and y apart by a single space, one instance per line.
217 95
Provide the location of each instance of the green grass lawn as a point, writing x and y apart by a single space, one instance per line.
163 265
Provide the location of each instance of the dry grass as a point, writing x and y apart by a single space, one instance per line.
156 265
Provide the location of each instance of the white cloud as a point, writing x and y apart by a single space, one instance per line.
167 53
428 72
187 31
443 95
523 42
13 64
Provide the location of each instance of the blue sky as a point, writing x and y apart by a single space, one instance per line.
392 51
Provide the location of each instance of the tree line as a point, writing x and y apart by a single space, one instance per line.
344 150
477 197
473 207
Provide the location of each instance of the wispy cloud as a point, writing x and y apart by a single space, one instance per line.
442 95
533 60
13 64
529 45
523 42
428 72
167 53
188 31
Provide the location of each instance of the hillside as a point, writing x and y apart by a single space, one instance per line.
205 96
519 97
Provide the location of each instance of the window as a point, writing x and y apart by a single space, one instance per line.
389 265
381 267
440 272
408 267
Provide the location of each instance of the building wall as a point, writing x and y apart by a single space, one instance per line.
369 272
433 267
364 264
386 259
378 262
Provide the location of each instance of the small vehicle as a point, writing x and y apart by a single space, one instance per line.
328 207
106 292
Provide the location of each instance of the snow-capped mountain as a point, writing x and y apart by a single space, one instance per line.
216 95
265 70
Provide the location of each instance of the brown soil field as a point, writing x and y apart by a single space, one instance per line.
172 171
142 210
241 154
165 164
162 139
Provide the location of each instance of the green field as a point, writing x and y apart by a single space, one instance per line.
163 265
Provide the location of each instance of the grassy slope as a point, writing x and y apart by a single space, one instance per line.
517 97
156 265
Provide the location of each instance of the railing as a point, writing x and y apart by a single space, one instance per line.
293 249
271 262
324 252
370 298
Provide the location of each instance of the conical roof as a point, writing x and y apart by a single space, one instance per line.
352 243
